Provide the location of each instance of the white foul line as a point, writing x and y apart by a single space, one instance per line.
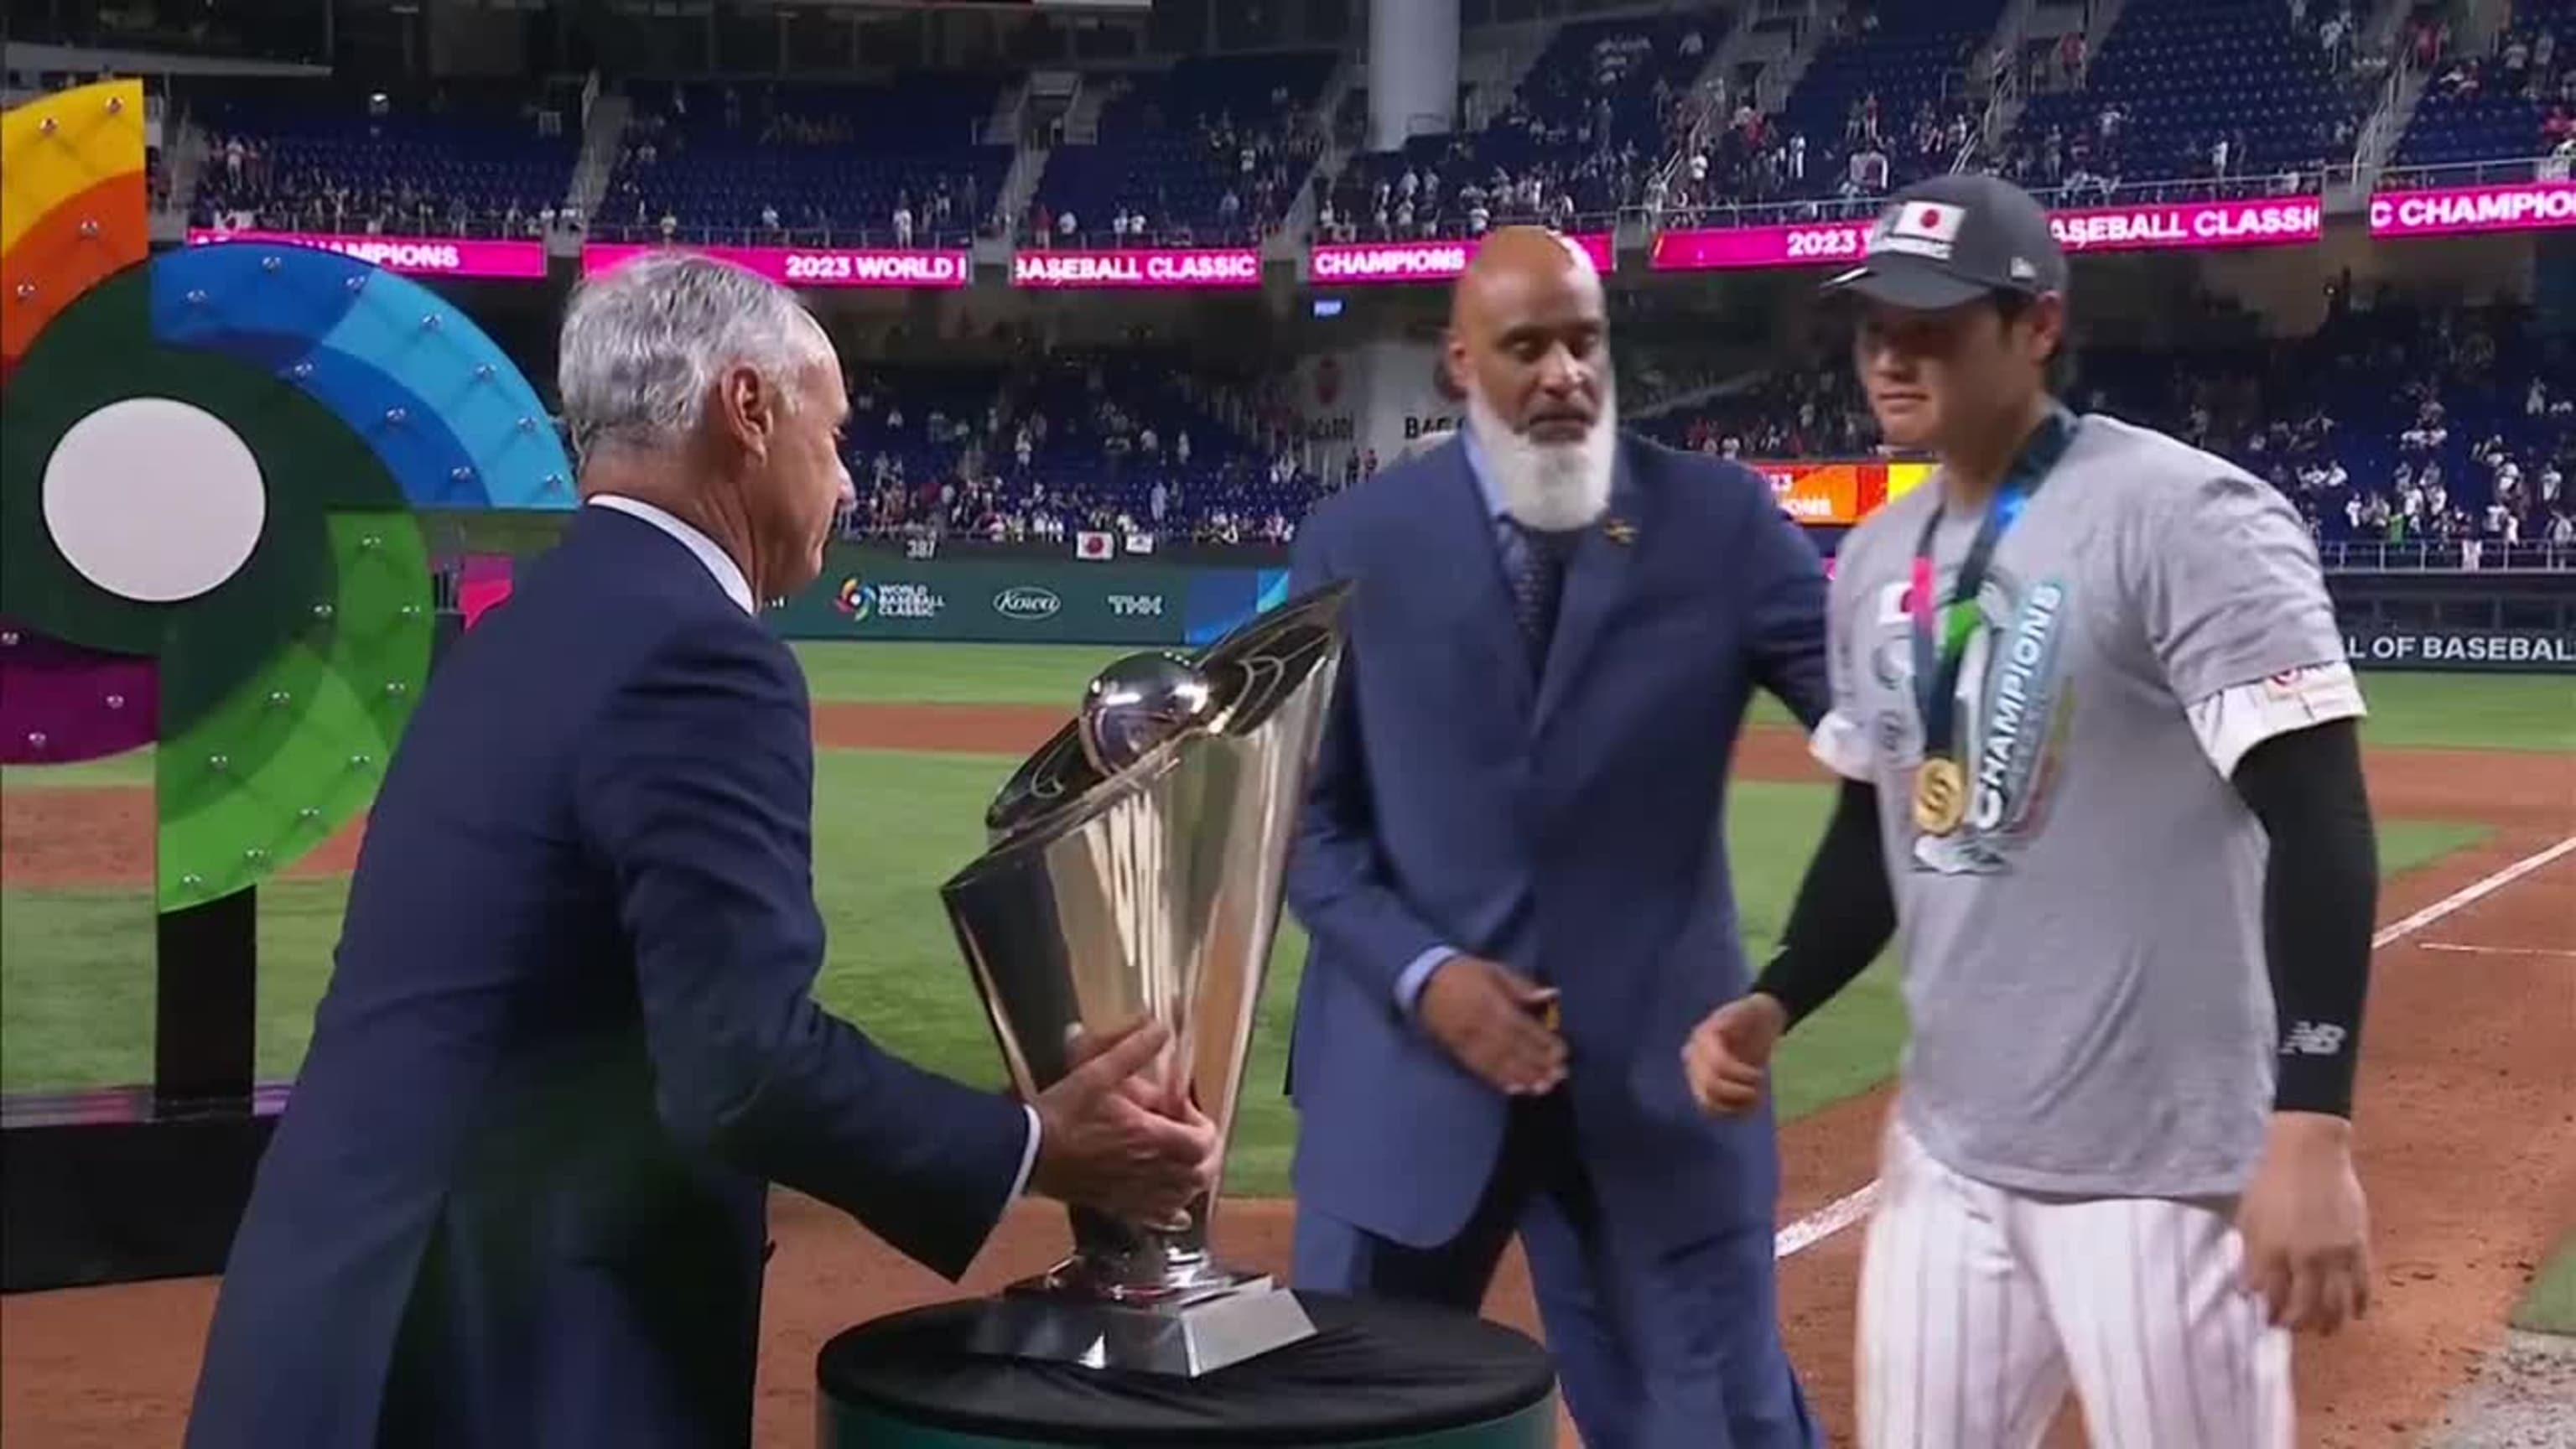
1842 1212
2489 886
1825 1221
2458 949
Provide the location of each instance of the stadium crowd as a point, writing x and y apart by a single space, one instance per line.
1892 96
2395 422
2486 431
1587 131
493 160
2087 141
2482 441
1060 443
1210 153
2523 79
784 164
1609 115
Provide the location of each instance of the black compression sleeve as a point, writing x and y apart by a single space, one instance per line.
1844 913
2320 894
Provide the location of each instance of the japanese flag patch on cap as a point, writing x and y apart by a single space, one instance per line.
1949 240
1925 228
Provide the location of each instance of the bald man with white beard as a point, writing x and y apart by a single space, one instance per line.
1512 874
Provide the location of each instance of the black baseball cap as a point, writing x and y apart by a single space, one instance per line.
1948 241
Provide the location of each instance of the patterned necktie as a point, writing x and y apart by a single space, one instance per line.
1537 562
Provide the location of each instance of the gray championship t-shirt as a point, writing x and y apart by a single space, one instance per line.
2083 955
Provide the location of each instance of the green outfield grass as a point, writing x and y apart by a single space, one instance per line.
76 982
2411 711
2550 1306
879 673
2471 711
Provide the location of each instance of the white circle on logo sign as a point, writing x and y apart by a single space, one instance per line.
154 499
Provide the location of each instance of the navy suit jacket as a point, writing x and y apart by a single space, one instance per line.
518 1197
1567 824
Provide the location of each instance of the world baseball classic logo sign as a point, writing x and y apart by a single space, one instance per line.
2499 651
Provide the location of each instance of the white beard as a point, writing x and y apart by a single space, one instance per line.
1551 487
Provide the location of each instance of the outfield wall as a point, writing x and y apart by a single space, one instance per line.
2443 649
2459 621
2447 623
877 593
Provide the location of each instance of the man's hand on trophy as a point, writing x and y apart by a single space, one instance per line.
1156 1085
1497 1024
1115 1139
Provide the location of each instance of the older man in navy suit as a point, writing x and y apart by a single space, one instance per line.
1512 871
519 1198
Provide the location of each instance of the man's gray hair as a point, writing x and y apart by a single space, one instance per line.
645 342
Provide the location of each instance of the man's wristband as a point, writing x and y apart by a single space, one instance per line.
1799 985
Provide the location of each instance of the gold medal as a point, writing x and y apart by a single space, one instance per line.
1940 796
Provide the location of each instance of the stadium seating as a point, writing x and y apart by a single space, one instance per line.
2349 397
1587 125
2329 418
1089 462
910 421
2184 73
1593 118
1210 152
2487 109
1915 63
318 156
2324 417
192 27
831 163
1789 415
1101 408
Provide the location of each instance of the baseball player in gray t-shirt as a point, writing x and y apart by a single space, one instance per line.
2099 741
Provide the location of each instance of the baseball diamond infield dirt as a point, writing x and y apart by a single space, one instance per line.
2467 1135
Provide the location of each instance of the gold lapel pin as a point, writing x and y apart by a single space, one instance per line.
1620 531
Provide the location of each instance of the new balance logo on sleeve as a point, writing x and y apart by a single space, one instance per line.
2312 1039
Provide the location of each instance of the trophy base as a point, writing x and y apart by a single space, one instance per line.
1183 1335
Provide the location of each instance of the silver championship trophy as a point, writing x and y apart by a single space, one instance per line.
1136 869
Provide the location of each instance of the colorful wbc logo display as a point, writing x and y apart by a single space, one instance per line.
209 462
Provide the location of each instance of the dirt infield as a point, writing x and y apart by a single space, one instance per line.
2467 1137
102 836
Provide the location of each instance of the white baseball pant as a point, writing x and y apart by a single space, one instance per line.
1980 1307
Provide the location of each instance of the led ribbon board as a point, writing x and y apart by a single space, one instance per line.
209 463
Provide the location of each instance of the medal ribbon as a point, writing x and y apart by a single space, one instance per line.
1941 633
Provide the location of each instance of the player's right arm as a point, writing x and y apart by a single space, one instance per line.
1844 914
2244 633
